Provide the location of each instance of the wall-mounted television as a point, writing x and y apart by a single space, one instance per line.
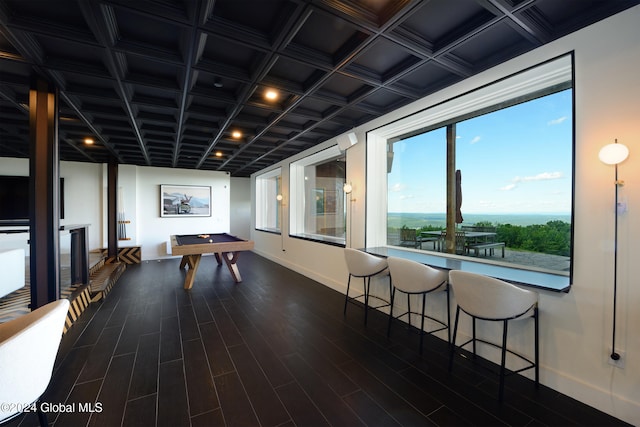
14 198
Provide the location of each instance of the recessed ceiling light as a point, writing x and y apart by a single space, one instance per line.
218 154
236 134
88 141
271 94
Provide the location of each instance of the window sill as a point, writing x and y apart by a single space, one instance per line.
518 276
269 230
329 240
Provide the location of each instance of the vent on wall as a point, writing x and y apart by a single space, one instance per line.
347 140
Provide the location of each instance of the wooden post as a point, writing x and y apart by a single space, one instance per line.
450 243
44 188
112 211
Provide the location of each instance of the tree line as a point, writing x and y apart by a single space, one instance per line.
552 238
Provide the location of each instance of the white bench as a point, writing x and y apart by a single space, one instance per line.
12 267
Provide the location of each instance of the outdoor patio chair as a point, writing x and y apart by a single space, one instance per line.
461 247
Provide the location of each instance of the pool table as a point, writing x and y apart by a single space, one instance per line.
225 247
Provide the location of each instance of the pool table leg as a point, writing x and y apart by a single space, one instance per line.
192 261
230 258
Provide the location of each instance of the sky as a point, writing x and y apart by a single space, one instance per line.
516 160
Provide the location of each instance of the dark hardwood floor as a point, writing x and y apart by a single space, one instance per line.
274 350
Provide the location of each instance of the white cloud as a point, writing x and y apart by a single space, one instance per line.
397 187
543 176
475 139
408 196
557 121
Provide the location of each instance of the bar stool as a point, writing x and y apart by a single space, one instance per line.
413 278
486 298
364 265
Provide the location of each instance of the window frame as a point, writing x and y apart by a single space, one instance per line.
547 77
266 203
297 195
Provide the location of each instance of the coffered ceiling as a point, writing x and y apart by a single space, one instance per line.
167 82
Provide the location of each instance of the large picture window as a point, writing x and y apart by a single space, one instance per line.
317 197
493 183
269 201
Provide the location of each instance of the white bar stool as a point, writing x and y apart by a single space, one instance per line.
364 265
486 298
413 278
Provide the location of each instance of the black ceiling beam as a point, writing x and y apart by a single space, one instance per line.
292 26
194 45
105 33
157 10
407 6
30 50
533 31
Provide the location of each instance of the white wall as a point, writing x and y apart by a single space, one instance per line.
575 327
241 207
82 198
86 203
153 231
127 200
14 167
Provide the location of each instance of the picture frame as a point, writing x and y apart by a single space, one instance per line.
181 201
318 195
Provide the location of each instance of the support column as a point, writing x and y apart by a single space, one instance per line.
112 211
44 193
450 243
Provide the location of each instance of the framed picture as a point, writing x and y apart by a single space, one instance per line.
185 201
318 195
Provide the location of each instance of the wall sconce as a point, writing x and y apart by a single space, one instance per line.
613 154
347 188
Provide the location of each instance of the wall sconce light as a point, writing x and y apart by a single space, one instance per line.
613 154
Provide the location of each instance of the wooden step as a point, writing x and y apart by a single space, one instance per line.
102 280
80 299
